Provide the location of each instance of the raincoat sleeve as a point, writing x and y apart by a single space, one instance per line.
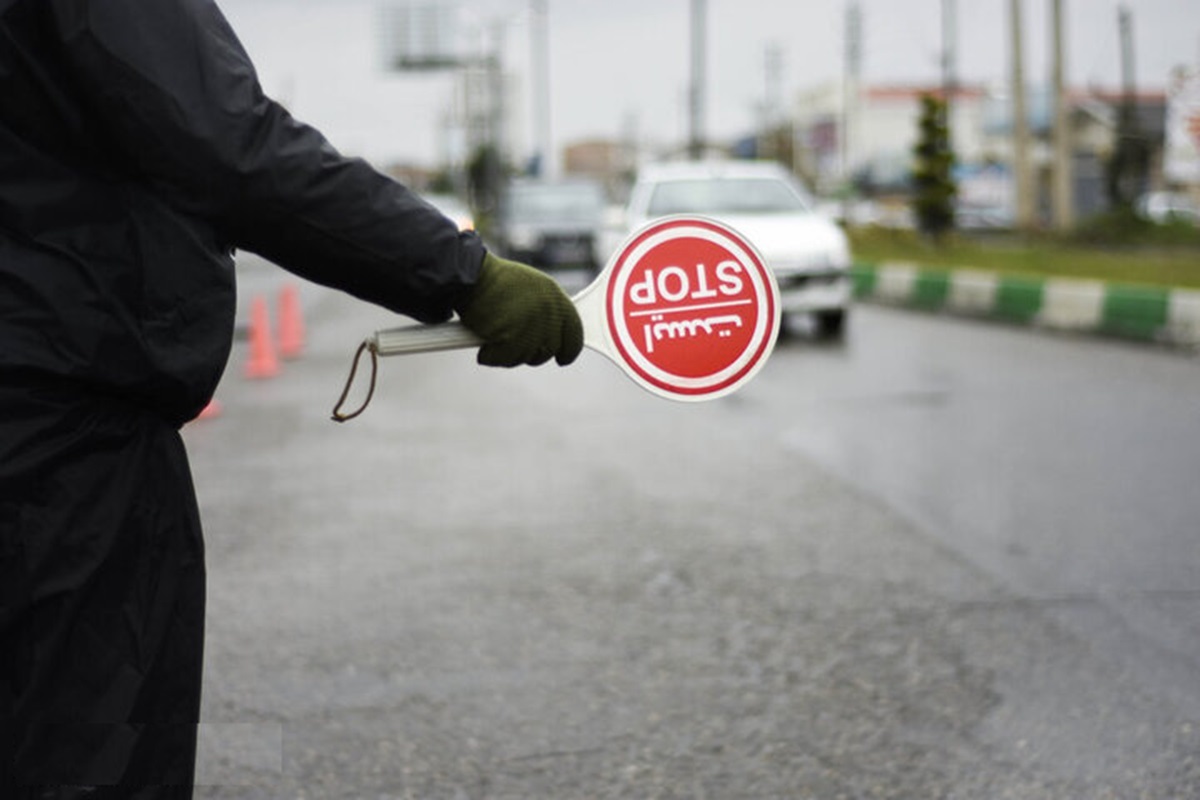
182 105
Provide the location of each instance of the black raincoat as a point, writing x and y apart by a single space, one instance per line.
137 150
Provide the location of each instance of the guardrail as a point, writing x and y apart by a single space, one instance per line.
1147 313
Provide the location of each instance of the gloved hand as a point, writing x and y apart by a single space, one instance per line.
523 316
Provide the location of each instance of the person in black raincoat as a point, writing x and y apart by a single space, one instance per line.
137 150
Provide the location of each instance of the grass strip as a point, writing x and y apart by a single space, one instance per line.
1036 258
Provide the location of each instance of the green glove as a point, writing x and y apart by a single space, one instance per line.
523 316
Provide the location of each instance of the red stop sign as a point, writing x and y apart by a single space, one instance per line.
692 310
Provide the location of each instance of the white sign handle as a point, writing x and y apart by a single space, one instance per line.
410 339
422 339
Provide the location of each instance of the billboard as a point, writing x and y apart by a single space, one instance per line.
419 36
1181 160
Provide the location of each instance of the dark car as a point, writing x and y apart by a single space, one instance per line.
552 224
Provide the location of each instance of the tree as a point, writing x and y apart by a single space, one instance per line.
486 174
933 184
1129 164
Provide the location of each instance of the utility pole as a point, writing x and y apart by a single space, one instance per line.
1125 30
496 117
851 86
1130 158
768 134
1061 184
696 95
543 155
949 61
1022 175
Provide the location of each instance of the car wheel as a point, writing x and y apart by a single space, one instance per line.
831 324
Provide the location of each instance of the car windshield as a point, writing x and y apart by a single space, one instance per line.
725 196
551 203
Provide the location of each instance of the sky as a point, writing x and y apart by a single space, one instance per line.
620 68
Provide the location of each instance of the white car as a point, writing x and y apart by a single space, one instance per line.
807 251
1167 207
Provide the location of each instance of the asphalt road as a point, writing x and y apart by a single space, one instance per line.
941 560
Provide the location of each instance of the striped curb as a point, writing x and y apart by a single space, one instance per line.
1146 313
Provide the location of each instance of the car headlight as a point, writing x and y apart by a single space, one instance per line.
839 258
821 261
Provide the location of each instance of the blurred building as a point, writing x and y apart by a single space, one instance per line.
870 143
610 162
1095 118
415 176
867 142
867 147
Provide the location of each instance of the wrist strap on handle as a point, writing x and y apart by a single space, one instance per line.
338 414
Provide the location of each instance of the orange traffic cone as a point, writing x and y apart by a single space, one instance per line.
212 410
262 362
291 323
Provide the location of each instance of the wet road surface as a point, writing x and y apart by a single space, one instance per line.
943 559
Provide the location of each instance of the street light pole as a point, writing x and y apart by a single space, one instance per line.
696 95
1062 201
949 62
544 158
1022 176
851 88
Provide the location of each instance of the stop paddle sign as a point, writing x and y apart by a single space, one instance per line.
690 310
686 307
